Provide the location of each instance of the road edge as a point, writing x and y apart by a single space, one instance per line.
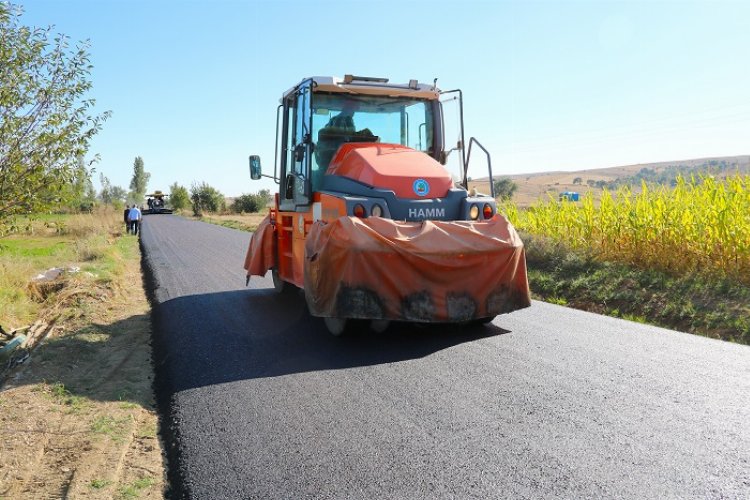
163 393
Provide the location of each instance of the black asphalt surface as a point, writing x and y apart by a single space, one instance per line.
259 401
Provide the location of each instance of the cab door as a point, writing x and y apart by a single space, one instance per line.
302 146
300 173
296 149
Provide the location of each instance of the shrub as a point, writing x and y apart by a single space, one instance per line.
178 197
206 199
505 188
251 203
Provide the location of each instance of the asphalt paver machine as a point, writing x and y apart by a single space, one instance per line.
156 202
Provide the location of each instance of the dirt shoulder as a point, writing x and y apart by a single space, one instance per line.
77 418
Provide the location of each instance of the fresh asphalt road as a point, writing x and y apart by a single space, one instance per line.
259 401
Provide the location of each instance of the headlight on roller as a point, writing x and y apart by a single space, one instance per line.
377 211
474 212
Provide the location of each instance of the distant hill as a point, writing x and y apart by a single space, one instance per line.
531 187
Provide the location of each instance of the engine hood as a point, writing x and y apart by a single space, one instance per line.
408 173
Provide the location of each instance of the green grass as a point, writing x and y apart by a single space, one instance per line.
243 222
115 428
86 241
34 247
110 258
232 224
22 258
149 430
714 307
127 405
133 490
62 396
98 484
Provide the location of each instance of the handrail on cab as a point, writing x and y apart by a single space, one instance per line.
489 163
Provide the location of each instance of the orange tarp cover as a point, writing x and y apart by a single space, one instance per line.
260 254
416 271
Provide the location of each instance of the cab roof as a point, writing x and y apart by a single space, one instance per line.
351 84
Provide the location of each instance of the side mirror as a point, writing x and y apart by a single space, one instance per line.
255 171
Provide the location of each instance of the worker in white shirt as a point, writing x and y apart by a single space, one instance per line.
134 216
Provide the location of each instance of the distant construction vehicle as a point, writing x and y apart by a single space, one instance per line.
370 223
156 202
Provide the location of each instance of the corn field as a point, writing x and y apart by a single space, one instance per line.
700 225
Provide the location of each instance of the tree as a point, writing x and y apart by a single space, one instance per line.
206 199
578 180
504 188
132 198
139 182
111 195
118 196
105 195
89 198
80 193
178 197
251 203
46 120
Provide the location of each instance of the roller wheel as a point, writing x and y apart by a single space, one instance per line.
337 326
481 321
379 325
279 284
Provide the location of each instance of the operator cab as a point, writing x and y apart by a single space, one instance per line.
341 118
321 114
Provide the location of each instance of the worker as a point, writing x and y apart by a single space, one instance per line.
343 123
338 130
134 216
150 202
126 219
344 120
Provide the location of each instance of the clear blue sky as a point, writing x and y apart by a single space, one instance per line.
193 86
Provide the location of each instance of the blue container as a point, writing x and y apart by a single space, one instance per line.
569 195
10 346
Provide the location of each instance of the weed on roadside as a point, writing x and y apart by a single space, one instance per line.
635 318
709 306
133 490
58 241
62 396
242 222
148 430
115 428
98 484
90 371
